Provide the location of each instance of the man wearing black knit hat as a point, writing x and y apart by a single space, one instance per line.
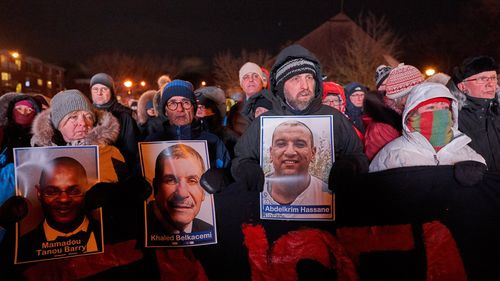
296 86
102 88
477 91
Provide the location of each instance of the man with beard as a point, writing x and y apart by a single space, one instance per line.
296 86
66 229
178 193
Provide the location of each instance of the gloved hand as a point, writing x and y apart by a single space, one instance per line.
136 188
469 173
250 174
13 210
214 180
345 168
132 190
99 194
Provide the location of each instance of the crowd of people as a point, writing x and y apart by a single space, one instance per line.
406 121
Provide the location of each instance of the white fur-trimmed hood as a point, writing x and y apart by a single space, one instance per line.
105 131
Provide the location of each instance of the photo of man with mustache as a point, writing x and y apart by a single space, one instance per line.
178 199
292 152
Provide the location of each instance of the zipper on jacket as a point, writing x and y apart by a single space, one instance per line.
436 159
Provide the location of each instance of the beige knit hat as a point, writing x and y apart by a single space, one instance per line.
250 67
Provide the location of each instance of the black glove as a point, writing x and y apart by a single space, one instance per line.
469 173
250 174
99 194
13 210
214 180
135 189
345 168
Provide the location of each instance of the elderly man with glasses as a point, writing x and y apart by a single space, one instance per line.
475 84
178 105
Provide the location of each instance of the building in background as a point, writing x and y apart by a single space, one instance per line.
22 73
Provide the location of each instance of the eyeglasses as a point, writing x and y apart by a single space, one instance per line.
103 89
483 79
327 102
51 192
186 104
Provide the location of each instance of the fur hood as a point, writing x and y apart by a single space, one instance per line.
7 104
142 116
105 131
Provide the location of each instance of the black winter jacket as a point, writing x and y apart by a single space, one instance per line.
346 142
480 120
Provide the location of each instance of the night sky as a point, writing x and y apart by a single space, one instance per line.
73 31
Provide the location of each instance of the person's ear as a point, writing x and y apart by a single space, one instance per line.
313 151
38 192
461 87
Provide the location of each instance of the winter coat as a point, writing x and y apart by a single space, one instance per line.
382 124
236 119
218 153
129 132
250 104
147 125
413 149
346 142
14 135
353 112
104 133
480 120
121 195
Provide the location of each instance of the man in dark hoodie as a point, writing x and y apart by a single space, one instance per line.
296 88
102 88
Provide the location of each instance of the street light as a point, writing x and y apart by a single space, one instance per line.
14 54
430 71
143 83
128 84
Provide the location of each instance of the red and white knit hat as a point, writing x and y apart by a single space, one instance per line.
401 80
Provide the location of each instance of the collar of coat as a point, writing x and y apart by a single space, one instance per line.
105 131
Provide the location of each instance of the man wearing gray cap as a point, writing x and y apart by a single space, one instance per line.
102 88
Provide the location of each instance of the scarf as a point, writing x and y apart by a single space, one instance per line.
435 126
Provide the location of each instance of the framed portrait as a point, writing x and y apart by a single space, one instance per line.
58 225
296 154
179 212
